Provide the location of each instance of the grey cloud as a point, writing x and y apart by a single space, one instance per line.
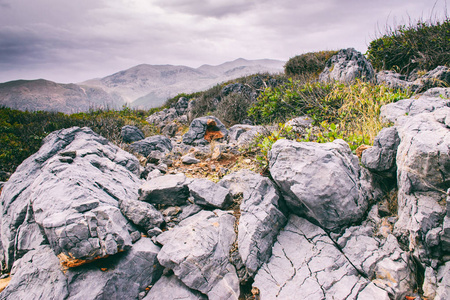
4 4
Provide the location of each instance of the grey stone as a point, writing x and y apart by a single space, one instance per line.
381 157
395 80
305 264
170 129
154 157
121 277
240 181
373 292
346 66
199 127
167 190
189 210
141 213
153 143
171 288
438 76
65 195
423 169
154 232
320 181
259 224
438 92
37 275
197 251
383 261
429 286
181 105
443 282
189 159
154 174
131 134
209 194
163 117
300 124
413 106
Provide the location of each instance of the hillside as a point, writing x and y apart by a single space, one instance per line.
146 86
47 95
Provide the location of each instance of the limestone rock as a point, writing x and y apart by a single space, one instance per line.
395 80
346 66
197 251
428 102
204 129
320 181
153 143
189 159
443 281
300 124
381 157
210 194
141 213
167 190
305 264
131 134
171 288
259 224
72 185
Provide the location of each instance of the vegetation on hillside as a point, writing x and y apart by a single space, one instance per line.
418 46
308 64
22 132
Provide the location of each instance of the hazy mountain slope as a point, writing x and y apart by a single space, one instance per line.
51 96
146 86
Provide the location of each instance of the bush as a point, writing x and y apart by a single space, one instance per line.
21 133
311 63
346 111
423 46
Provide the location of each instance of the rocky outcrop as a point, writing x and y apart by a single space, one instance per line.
346 66
171 288
166 190
207 193
205 129
131 134
427 102
71 188
320 181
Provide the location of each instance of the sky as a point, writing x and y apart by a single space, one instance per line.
76 40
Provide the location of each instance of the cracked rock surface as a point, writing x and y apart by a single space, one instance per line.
171 288
306 264
197 251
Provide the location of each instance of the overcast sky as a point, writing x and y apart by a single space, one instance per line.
76 40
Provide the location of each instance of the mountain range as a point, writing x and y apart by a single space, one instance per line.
143 86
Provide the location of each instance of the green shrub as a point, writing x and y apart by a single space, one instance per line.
311 63
22 132
340 111
423 46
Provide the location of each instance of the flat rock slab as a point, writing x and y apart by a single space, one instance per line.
306 264
209 194
166 190
259 224
198 253
71 188
141 213
320 181
171 288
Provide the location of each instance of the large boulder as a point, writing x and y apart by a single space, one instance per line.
131 134
153 143
242 134
141 213
205 129
346 66
423 172
71 189
395 80
198 253
320 181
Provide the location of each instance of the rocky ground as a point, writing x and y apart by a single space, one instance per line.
189 218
